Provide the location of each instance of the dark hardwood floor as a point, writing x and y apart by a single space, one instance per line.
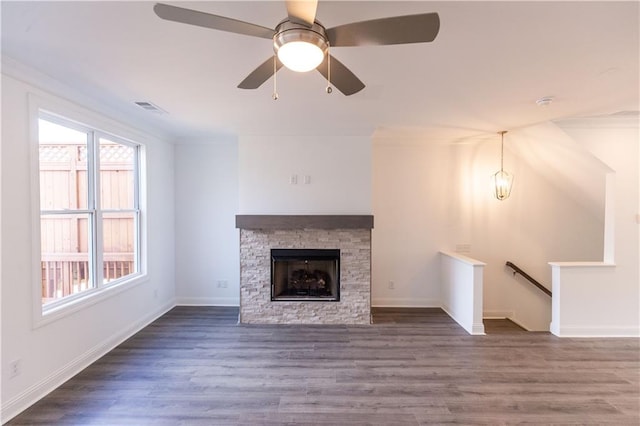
196 366
505 326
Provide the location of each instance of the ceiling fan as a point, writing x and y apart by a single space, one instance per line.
302 44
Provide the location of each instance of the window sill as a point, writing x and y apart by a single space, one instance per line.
44 316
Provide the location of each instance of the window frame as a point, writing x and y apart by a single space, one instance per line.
96 128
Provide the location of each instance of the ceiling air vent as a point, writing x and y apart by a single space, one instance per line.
148 106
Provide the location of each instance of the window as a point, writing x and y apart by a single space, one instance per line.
89 209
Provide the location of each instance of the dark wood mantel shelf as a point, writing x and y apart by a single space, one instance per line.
304 221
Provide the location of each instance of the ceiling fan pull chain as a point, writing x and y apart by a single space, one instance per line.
275 79
329 88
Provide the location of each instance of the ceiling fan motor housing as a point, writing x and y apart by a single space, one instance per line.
288 31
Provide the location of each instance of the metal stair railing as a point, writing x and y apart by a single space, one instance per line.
518 270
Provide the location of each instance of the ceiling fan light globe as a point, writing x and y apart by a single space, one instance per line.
300 56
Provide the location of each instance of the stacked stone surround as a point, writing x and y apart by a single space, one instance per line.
354 306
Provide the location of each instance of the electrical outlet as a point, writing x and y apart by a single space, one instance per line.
392 285
293 179
155 293
224 283
14 368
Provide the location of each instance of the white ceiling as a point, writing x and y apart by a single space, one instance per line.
483 73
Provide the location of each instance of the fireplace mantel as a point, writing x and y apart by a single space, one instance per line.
304 222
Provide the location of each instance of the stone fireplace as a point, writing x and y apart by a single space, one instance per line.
305 269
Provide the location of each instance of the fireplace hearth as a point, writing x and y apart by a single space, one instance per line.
305 275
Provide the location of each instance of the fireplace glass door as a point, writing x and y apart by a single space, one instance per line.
305 275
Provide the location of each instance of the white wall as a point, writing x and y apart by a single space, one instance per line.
431 196
583 293
55 351
539 223
461 294
1 274
216 181
339 169
411 209
615 141
207 243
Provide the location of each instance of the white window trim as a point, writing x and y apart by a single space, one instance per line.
85 119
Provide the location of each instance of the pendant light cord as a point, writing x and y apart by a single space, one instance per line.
275 78
329 88
502 150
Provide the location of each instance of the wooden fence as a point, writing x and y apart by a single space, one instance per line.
65 236
62 276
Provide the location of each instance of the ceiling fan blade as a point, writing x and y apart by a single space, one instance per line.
395 30
341 77
260 74
302 11
207 20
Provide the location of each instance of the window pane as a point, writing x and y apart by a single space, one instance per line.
89 215
119 238
63 167
117 171
65 255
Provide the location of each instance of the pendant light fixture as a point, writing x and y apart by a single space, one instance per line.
502 180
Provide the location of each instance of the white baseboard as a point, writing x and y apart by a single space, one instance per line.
510 315
594 331
208 301
522 325
477 329
388 302
474 329
497 314
33 394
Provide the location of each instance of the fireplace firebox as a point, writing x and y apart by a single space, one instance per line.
305 275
